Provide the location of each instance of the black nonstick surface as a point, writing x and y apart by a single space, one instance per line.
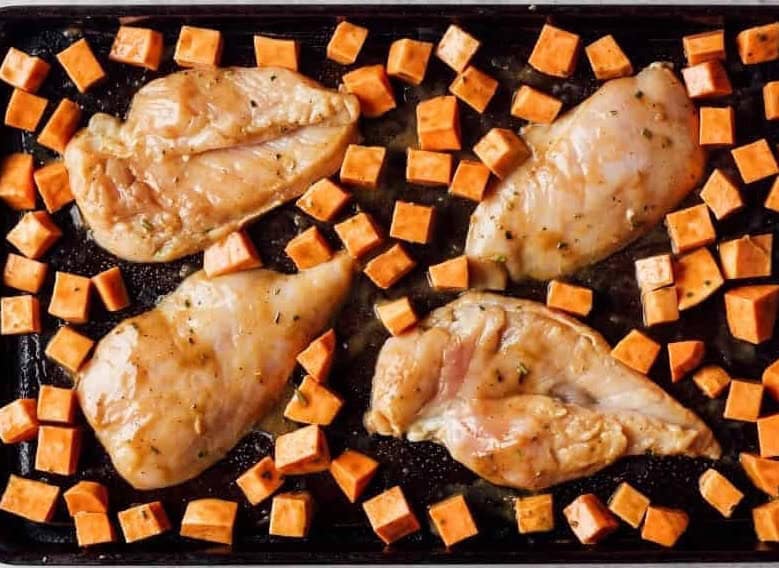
340 532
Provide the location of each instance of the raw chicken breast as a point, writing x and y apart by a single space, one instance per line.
201 153
171 391
524 396
599 177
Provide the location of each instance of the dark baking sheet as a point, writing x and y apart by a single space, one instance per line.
340 532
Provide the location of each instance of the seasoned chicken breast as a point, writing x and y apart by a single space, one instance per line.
201 153
524 396
599 177
171 391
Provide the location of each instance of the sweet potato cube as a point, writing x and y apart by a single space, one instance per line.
712 380
428 168
766 521
438 124
323 200
706 80
111 289
93 528
721 195
717 127
198 47
654 272
755 161
290 514
23 71
389 267
470 180
762 472
353 471
684 357
746 257
637 351
744 400
24 110
18 421
86 497
58 449
54 186
233 253
302 451
23 273
629 504
81 65
456 48
664 526
768 436
56 404
372 88
20 315
607 59
690 228
772 201
313 403
69 348
276 52
452 519
397 315
555 52
140 47
17 187
475 88
143 521
390 515
697 277
358 234
771 100
589 519
408 59
569 298
345 44
34 234
260 481
71 297
751 312
758 44
317 358
211 520
450 275
32 500
659 306
308 249
535 106
412 222
501 151
705 46
770 379
719 492
534 514
362 165
61 127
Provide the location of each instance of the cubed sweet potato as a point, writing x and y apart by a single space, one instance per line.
721 195
313 403
17 186
358 234
438 124
768 436
654 272
690 228
387 268
57 404
762 472
140 47
408 59
412 222
276 52
719 492
20 315
93 528
501 151
450 275
58 449
457 47
470 180
302 451
535 106
755 161
659 306
81 65
23 71
233 253
744 401
637 351
569 298
424 167
71 297
372 88
18 421
751 312
260 481
143 521
684 357
86 497
589 519
317 358
629 504
308 249
772 200
607 59
69 348
23 273
362 165
61 126
704 46
707 80
746 257
211 520
712 380
346 42
111 289
534 514
24 110
390 515
717 126
475 88
198 47
664 526
397 315
697 277
54 186
766 521
30 499
758 44
770 379
555 52
771 100
452 519
353 471
290 514
34 234
323 200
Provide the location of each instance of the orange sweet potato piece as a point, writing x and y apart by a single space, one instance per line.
470 180
766 521
664 526
233 253
659 306
93 528
770 379
717 127
721 195
408 59
86 497
744 400
758 44
654 272
211 520
20 315
534 514
438 124
308 249
111 289
707 80
762 472
751 312
555 52
697 277
260 481
290 514
34 234
358 234
755 161
475 88
353 471
684 357
346 42
428 168
771 100
313 403
535 106
317 358
607 59
323 200
23 273
372 88
54 186
719 492
81 65
690 228
389 267
451 275
24 110
768 436
23 71
452 519
456 48
56 404
302 451
58 449
143 521
390 515
362 165
397 315
712 380
32 500
412 222
71 297
589 519
18 421
569 298
198 47
140 47
69 348
501 151
17 187
61 127
276 52
629 504
637 351
704 46
746 257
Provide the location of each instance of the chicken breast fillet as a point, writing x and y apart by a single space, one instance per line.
524 396
201 153
171 391
599 177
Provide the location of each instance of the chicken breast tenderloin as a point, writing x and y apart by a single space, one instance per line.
524 396
201 153
171 391
599 177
